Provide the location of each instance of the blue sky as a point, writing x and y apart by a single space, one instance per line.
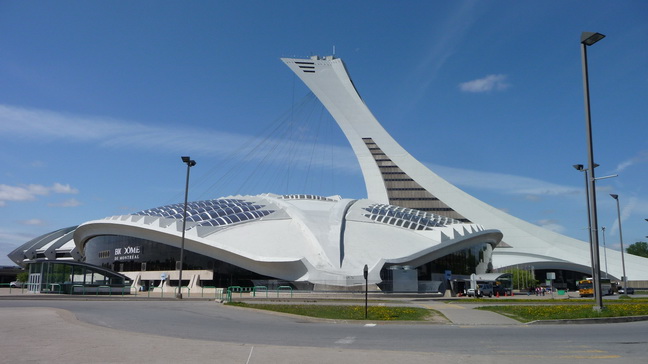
98 101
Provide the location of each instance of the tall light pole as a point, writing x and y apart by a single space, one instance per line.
624 279
582 168
604 252
588 39
190 163
365 273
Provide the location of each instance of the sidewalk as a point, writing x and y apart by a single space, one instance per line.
466 315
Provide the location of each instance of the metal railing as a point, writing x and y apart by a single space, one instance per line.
24 285
257 288
151 288
218 292
253 291
75 286
284 288
52 287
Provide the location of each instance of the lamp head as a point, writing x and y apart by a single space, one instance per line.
614 196
190 162
589 38
579 167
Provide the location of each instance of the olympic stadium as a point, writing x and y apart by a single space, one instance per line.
415 231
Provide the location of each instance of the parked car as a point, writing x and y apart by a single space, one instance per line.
629 289
486 289
483 289
17 284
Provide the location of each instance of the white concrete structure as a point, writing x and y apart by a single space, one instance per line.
302 238
411 218
381 158
56 245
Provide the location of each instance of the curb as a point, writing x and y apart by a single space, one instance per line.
595 320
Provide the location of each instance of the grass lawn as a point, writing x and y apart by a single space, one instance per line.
548 299
526 313
344 312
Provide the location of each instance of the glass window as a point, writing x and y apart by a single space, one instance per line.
87 279
100 279
77 274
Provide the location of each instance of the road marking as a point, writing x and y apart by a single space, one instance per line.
370 325
347 340
249 356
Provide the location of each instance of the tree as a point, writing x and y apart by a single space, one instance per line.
639 248
522 278
22 277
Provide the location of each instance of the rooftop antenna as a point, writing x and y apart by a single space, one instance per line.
334 51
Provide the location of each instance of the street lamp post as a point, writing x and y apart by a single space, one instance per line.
365 272
190 163
588 39
582 168
624 279
604 252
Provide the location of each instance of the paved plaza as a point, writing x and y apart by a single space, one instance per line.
42 330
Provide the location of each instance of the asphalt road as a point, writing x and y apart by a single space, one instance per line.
210 321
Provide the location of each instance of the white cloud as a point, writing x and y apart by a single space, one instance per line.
486 84
641 157
67 203
32 222
66 189
21 121
629 206
551 225
30 192
118 134
503 183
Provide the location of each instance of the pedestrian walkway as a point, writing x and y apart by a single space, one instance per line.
466 314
